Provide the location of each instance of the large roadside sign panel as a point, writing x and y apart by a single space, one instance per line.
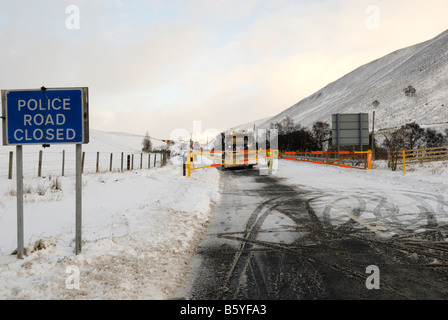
45 116
350 129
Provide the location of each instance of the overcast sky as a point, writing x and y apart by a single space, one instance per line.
159 65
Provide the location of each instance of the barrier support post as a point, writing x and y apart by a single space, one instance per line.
404 161
189 163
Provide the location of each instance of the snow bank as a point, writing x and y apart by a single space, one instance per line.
140 230
427 177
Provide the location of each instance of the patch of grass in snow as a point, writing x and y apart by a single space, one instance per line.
37 246
30 190
56 184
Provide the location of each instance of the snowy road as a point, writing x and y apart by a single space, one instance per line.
306 232
312 232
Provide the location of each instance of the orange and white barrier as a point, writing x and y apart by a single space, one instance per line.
343 159
227 159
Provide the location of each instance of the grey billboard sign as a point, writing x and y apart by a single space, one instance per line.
350 129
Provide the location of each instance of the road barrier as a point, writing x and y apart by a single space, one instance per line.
227 158
343 159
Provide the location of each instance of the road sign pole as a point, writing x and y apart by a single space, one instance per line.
360 131
78 199
338 131
19 165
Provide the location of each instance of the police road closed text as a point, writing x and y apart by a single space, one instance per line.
51 116
39 119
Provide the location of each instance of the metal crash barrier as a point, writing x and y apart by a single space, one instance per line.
227 159
344 159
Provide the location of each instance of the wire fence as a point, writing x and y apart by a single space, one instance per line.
63 163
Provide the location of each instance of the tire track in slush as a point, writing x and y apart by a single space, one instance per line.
301 269
244 257
244 254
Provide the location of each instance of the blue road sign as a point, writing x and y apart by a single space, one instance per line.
46 116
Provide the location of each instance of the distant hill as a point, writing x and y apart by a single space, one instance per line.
407 85
100 141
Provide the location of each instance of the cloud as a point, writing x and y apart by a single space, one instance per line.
160 65
282 57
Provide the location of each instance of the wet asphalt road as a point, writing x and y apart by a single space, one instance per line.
266 242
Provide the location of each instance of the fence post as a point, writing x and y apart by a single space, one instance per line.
421 154
155 159
11 153
111 156
97 161
141 161
132 162
39 168
149 160
404 161
128 163
122 155
63 162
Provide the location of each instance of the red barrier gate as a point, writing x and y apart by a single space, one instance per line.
348 160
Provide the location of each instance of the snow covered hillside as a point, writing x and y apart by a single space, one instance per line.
100 141
423 66
103 142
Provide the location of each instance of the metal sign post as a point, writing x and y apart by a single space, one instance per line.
42 117
19 168
78 199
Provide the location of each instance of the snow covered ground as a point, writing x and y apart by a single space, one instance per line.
139 231
391 204
141 227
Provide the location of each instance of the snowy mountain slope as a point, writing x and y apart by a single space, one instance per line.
250 125
423 66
